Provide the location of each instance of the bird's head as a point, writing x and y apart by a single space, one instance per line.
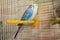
33 5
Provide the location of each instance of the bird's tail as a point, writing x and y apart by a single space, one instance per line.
20 25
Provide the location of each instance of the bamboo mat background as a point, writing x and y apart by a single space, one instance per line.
14 9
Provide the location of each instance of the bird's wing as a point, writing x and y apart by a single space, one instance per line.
27 14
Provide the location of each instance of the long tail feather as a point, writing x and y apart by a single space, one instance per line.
18 30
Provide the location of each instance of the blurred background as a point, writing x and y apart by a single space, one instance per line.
14 9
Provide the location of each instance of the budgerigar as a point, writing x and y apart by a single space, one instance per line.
29 14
